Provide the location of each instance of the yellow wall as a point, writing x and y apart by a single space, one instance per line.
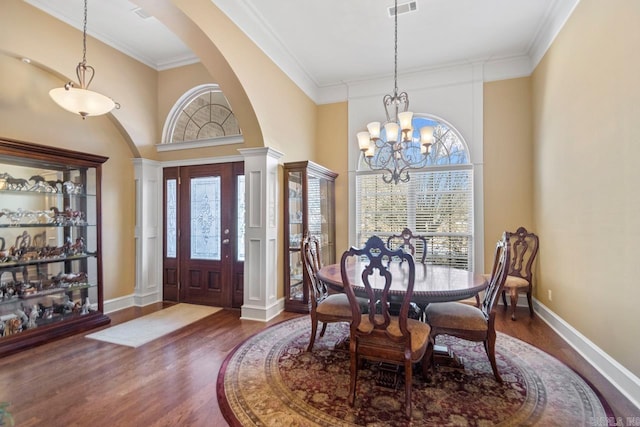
56 47
28 114
586 127
271 109
331 152
508 156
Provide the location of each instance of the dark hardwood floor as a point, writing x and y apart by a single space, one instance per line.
172 381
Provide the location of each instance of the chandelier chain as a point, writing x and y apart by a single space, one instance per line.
84 35
395 50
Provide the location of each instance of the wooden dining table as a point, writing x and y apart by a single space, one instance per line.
433 283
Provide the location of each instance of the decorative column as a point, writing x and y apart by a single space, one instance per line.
148 241
261 234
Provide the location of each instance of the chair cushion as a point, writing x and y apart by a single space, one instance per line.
419 332
512 281
515 282
454 315
335 305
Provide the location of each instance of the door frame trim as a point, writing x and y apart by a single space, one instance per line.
200 161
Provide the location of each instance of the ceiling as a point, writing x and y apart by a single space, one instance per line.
332 42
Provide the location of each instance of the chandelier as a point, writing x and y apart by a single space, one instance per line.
396 147
80 100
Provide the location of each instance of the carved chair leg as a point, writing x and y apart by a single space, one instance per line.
530 303
314 329
478 300
407 386
504 299
324 329
513 293
354 377
490 347
428 363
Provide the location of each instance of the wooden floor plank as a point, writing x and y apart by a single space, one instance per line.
171 381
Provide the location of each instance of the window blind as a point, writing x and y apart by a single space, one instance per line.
437 204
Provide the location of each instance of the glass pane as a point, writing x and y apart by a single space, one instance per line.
295 277
240 210
171 211
205 218
295 209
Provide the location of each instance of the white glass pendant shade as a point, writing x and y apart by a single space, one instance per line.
392 130
405 119
371 150
83 102
426 135
363 140
374 130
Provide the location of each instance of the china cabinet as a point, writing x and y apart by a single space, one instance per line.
50 264
309 206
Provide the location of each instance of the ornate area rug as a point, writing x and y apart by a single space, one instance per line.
270 380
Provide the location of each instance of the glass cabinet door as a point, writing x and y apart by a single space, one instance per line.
309 208
50 265
296 285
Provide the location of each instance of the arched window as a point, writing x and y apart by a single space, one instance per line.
201 116
437 202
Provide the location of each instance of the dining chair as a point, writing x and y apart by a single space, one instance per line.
524 248
469 322
325 307
378 335
408 241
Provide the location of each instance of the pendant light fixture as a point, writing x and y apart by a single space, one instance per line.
80 100
395 147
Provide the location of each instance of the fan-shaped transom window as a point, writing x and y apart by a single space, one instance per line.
201 114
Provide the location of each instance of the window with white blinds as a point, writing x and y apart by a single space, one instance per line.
437 203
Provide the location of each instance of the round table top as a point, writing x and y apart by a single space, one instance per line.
433 283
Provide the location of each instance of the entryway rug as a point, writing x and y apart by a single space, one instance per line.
142 330
270 380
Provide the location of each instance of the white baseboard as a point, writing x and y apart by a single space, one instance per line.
140 300
623 379
127 301
119 303
260 313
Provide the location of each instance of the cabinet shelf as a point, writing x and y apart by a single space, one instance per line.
13 264
5 192
45 225
45 293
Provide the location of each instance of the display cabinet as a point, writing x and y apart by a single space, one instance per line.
50 264
309 206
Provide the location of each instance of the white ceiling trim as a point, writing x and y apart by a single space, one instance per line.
248 20
245 17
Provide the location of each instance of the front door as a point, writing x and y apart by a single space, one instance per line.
203 234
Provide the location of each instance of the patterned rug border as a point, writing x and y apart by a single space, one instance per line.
231 418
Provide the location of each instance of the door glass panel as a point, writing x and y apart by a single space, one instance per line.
205 218
240 219
172 218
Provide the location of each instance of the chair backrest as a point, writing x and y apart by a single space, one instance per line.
376 278
524 248
311 264
410 242
498 274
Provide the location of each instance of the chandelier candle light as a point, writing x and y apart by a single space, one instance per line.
81 100
398 150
